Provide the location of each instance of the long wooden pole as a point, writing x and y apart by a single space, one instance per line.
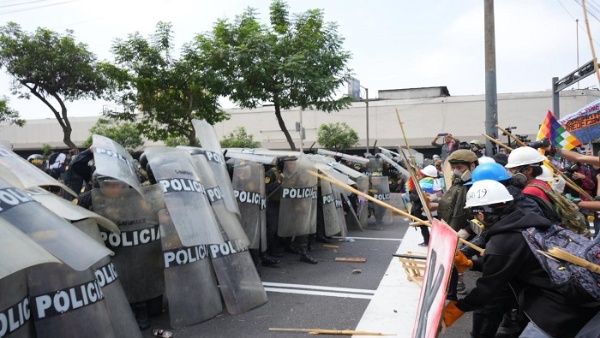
568 181
316 331
589 34
412 172
497 142
385 205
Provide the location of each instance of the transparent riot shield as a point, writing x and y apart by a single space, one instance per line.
381 191
185 197
18 251
29 175
15 310
341 215
362 210
67 303
190 283
239 282
68 210
121 317
137 247
330 214
210 143
249 189
112 160
297 211
228 220
51 232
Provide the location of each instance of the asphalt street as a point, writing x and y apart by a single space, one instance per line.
328 295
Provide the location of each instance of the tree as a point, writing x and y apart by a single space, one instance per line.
124 133
239 138
52 67
337 136
289 63
169 92
9 115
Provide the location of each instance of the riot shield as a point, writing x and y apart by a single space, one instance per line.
375 165
15 310
119 310
112 160
297 211
330 214
362 210
210 143
228 220
341 215
47 229
18 251
239 282
137 247
263 159
381 188
185 197
29 175
68 210
67 303
190 284
249 189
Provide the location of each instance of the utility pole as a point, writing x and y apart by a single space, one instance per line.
577 39
367 110
491 97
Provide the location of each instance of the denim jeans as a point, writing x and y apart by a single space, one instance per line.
532 331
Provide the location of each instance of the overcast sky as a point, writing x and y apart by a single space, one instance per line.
394 43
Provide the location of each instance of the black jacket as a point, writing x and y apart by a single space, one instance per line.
508 259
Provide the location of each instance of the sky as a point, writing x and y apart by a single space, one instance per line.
394 43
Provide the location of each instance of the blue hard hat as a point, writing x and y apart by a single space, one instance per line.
489 171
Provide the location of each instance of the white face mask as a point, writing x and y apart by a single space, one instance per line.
457 173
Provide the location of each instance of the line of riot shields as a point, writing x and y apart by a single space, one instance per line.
180 230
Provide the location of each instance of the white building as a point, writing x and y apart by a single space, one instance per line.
424 111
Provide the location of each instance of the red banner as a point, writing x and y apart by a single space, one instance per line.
440 257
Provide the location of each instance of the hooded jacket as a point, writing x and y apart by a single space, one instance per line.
508 259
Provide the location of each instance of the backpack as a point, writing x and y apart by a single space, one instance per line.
564 274
567 211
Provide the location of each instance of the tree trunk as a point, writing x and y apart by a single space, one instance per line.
288 137
67 138
193 141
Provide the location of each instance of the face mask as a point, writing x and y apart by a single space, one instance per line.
464 176
519 180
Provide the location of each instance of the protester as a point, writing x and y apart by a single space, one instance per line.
450 144
554 312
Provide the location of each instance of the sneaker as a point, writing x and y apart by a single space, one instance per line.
423 244
306 258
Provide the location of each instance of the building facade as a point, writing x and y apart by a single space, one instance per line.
425 112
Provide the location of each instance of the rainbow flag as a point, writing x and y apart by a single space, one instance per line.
556 133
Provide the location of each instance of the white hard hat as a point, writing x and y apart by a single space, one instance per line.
475 141
524 156
486 159
487 192
546 175
430 171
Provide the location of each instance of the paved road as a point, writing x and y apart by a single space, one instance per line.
309 305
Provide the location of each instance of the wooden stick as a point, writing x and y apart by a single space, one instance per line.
351 259
346 187
568 257
589 34
317 331
497 142
412 172
568 181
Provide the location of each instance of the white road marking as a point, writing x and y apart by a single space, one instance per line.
372 238
319 293
318 287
